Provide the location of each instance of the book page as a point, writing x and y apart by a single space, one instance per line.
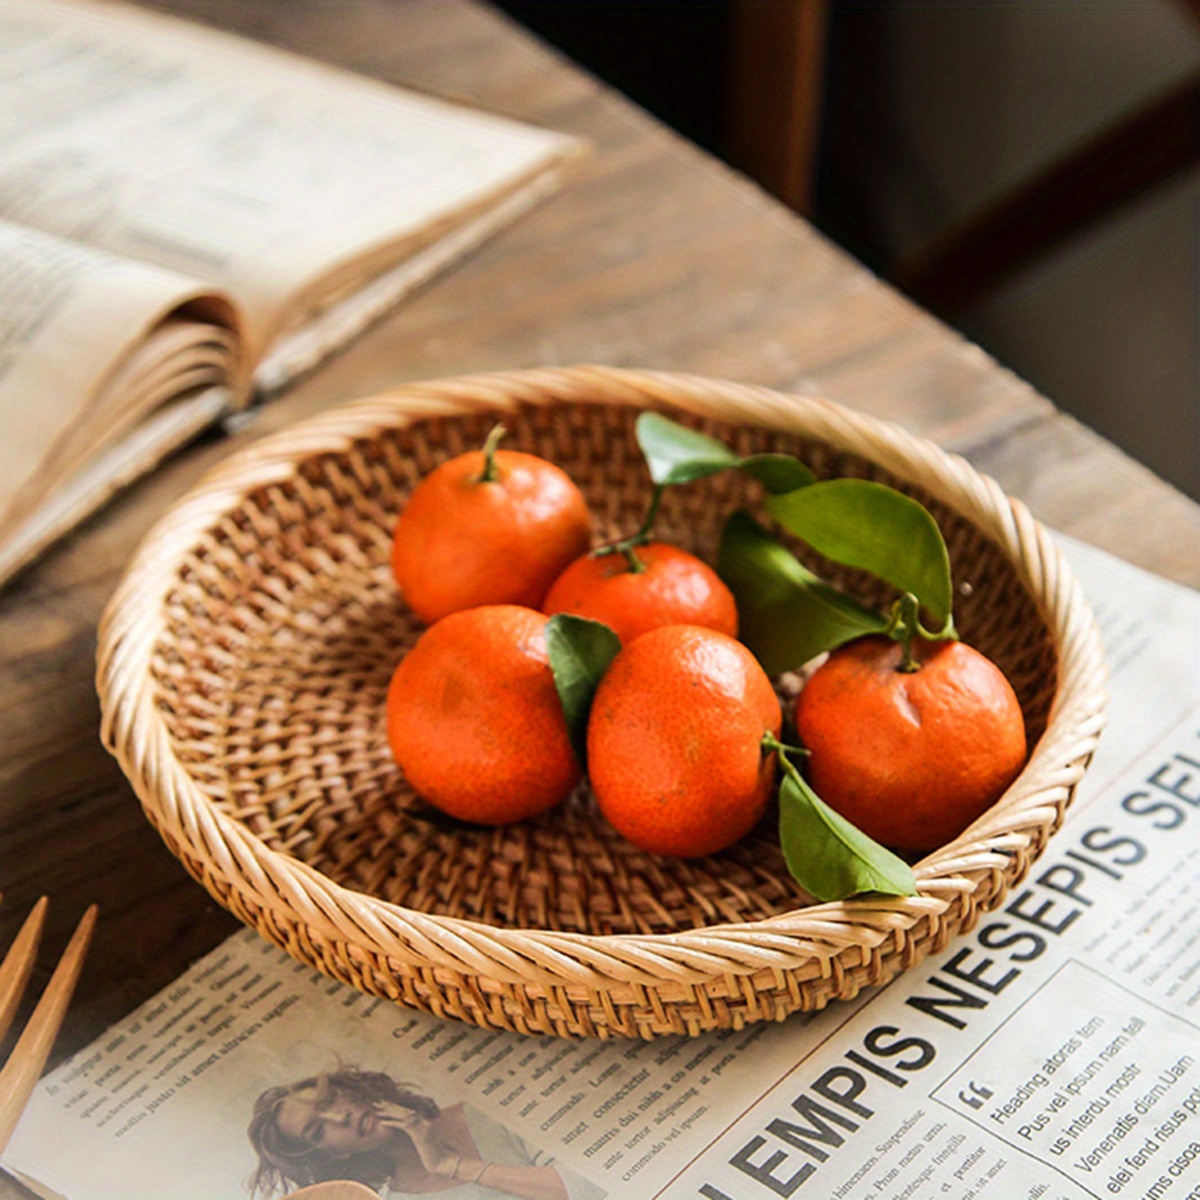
89 347
282 181
113 468
1051 1053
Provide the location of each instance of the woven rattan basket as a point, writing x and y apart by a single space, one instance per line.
243 665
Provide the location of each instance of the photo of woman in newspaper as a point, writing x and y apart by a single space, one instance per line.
365 1126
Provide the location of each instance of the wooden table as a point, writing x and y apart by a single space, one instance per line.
654 255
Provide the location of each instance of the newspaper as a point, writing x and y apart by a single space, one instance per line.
1053 1052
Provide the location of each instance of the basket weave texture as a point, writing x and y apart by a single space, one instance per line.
244 661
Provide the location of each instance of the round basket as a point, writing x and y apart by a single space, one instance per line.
245 657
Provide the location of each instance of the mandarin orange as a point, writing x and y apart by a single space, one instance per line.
675 741
489 526
668 586
910 757
474 719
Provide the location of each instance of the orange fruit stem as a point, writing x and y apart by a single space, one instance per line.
490 474
904 624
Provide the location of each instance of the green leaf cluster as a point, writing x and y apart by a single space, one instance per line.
675 454
788 616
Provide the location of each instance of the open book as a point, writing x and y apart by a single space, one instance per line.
188 219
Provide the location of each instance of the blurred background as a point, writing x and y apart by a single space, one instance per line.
1029 170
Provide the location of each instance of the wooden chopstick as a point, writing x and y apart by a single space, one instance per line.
25 1064
18 963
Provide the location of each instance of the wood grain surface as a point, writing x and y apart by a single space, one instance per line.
654 255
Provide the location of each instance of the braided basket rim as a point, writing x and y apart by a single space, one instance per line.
954 883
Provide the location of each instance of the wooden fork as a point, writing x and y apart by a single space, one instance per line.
24 1066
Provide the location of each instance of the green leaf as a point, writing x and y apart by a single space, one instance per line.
676 454
579 651
874 527
777 472
786 614
828 856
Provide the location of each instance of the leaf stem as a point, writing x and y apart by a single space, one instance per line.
651 513
782 749
628 546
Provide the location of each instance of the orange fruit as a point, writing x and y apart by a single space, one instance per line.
474 719
674 741
910 757
471 534
672 587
